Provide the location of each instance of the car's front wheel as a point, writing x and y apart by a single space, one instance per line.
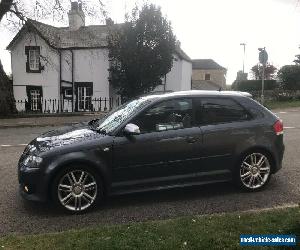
254 171
77 189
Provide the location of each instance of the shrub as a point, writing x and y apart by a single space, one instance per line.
254 85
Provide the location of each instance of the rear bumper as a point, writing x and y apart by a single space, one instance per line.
278 157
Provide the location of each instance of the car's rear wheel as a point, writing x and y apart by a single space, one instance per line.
254 171
77 189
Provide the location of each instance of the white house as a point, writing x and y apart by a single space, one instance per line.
66 68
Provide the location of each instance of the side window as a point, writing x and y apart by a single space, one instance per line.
219 110
167 115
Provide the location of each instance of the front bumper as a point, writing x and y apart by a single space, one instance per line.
31 184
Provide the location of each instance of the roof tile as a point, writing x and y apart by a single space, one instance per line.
206 64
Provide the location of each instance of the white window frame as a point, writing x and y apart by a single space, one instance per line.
35 96
83 97
65 93
34 59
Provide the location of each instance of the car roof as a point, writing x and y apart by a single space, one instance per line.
196 93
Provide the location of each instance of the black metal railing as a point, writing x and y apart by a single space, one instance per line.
66 105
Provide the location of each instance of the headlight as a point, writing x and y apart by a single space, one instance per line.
32 161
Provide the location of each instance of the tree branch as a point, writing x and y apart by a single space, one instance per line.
5 6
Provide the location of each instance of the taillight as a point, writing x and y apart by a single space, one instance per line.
278 127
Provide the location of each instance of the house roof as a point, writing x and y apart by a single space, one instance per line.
206 64
182 55
205 85
93 36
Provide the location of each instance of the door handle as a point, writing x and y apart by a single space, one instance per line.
191 139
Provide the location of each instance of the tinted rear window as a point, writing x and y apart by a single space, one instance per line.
219 110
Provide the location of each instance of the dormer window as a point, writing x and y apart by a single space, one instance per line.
33 64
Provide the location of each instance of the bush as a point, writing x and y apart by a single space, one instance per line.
289 75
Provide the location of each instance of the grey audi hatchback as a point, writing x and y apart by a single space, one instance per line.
155 142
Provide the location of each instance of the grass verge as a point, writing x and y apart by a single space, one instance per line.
197 232
282 104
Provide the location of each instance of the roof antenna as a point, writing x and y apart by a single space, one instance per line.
220 89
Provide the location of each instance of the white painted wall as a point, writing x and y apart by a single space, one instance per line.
66 67
186 80
92 66
48 78
179 78
174 77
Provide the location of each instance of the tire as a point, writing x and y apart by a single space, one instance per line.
253 171
77 189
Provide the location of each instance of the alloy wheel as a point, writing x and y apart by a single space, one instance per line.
77 190
255 170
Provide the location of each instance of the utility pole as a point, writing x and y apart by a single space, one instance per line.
263 59
244 45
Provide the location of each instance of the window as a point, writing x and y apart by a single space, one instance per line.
33 59
35 97
207 77
167 115
219 110
68 93
115 118
84 93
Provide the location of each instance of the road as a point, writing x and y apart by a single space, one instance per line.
21 217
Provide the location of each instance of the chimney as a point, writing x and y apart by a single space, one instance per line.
76 16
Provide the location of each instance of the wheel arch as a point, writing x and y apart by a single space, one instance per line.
261 149
99 166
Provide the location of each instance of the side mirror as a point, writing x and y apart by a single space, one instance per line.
131 129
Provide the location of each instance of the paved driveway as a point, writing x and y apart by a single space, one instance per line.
18 216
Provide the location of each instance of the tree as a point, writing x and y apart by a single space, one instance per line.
270 71
14 13
7 105
140 51
289 76
297 60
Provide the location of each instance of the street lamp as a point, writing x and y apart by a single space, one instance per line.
263 59
244 45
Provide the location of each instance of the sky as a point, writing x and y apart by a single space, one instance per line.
215 28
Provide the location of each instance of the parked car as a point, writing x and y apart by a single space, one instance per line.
155 142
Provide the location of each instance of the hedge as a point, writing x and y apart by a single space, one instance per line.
254 85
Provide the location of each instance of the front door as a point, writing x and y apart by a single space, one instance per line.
34 94
167 150
84 96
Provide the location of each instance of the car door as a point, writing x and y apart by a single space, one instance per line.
165 151
222 122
